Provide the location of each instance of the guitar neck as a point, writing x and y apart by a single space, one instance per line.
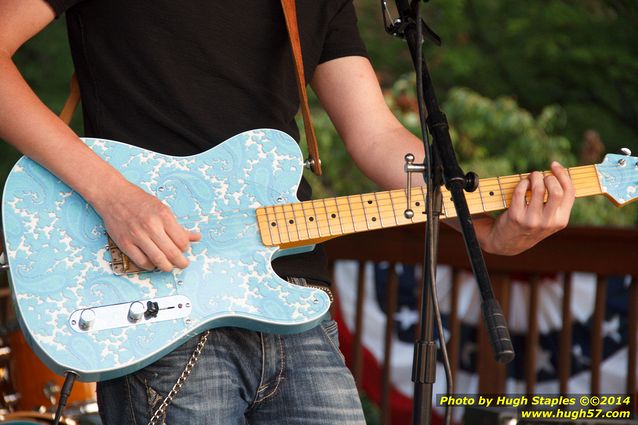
304 223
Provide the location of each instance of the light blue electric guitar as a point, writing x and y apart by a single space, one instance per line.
85 307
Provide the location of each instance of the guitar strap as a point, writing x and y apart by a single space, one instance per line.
72 101
290 13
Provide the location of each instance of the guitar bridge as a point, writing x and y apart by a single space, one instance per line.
120 263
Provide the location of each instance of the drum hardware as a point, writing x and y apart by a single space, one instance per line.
26 383
51 391
38 386
32 418
5 353
3 262
11 400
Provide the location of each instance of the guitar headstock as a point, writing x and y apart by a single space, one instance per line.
618 176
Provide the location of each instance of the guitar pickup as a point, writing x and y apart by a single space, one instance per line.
133 313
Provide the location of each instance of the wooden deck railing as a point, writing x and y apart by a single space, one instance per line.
602 251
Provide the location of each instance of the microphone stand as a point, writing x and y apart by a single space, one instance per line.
441 167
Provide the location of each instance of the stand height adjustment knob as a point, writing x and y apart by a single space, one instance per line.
136 311
409 168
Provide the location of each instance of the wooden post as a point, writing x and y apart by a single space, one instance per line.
357 356
391 306
565 344
532 336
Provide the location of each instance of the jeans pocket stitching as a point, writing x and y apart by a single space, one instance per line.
332 342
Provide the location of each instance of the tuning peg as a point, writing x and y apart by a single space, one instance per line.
625 151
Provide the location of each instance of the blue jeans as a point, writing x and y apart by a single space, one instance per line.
242 377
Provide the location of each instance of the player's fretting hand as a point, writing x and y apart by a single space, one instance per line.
527 222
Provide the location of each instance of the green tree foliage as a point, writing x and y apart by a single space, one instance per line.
581 55
491 137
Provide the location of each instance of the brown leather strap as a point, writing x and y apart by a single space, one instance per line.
72 101
290 12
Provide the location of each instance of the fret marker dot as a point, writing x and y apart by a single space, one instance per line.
291 221
417 203
491 193
374 219
273 224
333 215
311 219
369 202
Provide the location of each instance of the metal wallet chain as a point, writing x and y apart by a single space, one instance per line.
161 411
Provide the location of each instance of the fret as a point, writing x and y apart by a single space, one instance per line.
274 225
365 214
291 221
358 212
589 174
262 220
451 206
498 180
280 218
372 219
314 217
425 202
331 205
480 192
399 198
446 210
376 201
394 208
304 234
425 207
324 216
474 200
528 194
492 203
311 223
418 204
345 214
509 185
352 213
387 212
270 226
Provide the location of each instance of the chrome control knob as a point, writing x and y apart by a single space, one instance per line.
87 319
136 311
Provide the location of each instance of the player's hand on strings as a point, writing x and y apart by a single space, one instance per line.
540 206
146 230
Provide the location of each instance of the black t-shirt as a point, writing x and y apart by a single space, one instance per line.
180 77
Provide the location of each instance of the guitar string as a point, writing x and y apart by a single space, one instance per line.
325 227
487 183
386 210
358 209
322 223
359 218
416 192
